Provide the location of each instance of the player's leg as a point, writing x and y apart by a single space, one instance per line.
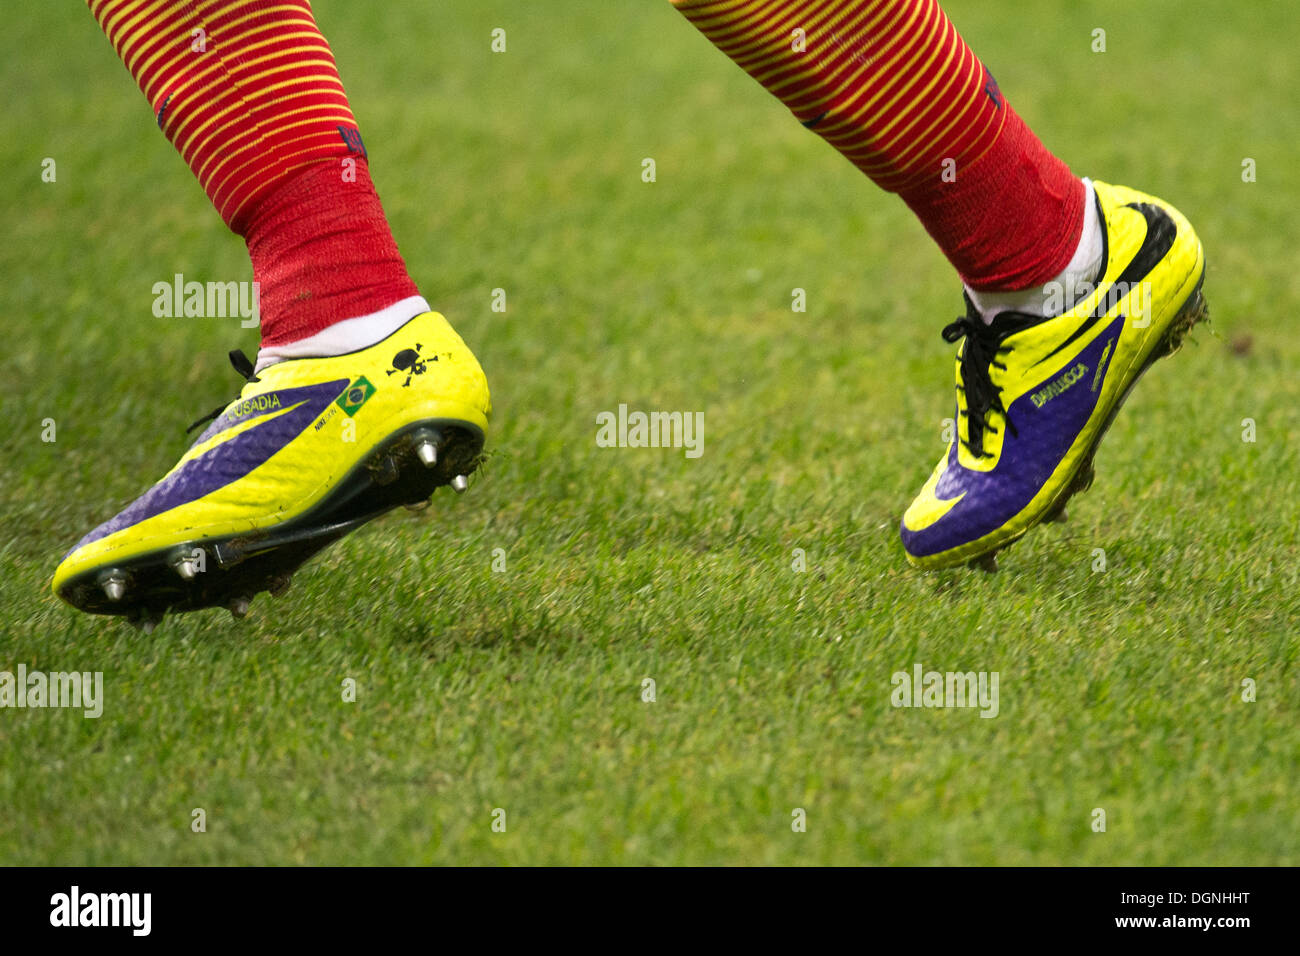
362 399
1072 287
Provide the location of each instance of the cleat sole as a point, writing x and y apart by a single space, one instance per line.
392 474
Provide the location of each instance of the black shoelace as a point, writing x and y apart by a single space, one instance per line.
980 353
245 368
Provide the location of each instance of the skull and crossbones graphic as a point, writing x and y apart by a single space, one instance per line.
411 362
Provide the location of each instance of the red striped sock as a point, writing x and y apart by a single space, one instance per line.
892 86
247 91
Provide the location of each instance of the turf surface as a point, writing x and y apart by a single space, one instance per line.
1120 689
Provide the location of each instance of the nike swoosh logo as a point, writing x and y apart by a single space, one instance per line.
1161 233
229 460
928 507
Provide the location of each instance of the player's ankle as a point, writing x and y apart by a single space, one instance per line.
1061 292
322 253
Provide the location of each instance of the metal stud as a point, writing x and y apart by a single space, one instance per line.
114 585
144 619
279 584
185 568
239 606
459 484
426 441
1083 480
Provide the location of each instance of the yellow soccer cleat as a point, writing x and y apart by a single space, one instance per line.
312 449
1035 396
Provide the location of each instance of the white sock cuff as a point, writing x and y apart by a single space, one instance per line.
350 335
1087 256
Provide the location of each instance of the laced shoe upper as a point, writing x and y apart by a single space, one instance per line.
1034 394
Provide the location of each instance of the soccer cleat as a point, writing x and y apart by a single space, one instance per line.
1035 396
312 449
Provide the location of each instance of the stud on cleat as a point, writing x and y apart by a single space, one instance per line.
279 584
239 606
1060 515
1083 480
426 446
144 619
114 585
185 565
459 484
988 563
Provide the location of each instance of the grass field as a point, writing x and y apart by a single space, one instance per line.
522 690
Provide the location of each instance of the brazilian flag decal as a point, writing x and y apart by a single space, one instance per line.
356 395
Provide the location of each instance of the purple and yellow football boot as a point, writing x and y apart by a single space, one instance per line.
1035 396
312 449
